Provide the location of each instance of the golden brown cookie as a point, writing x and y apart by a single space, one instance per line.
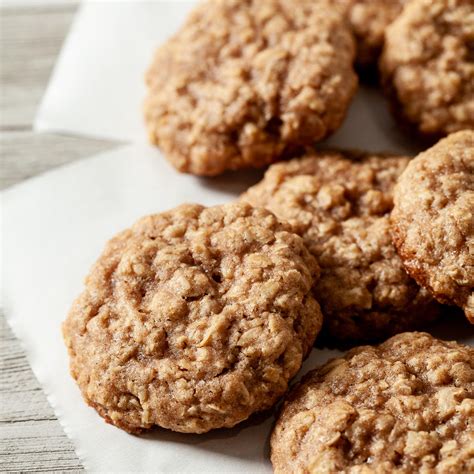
369 20
340 203
244 82
433 220
406 406
428 65
193 319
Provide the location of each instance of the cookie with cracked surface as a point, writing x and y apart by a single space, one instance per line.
245 82
369 20
193 319
405 406
427 65
340 203
433 220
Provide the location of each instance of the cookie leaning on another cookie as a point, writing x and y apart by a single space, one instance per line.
340 203
405 406
245 81
427 65
433 220
193 319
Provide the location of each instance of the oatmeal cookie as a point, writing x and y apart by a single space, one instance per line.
433 220
193 319
428 65
369 19
405 406
244 82
340 203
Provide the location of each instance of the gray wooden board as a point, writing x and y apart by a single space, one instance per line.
31 438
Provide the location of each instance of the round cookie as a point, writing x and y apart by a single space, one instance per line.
340 203
245 82
427 65
433 220
369 19
405 406
193 319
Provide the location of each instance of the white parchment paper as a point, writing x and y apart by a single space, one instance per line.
97 87
55 226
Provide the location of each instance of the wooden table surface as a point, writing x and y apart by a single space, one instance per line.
31 438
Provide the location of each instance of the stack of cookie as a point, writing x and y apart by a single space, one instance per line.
196 318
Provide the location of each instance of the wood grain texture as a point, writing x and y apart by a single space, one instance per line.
31 39
31 438
27 154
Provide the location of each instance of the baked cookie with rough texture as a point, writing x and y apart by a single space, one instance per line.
340 203
427 65
433 220
369 19
406 406
245 82
193 319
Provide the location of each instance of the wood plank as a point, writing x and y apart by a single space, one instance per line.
27 154
27 54
31 438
